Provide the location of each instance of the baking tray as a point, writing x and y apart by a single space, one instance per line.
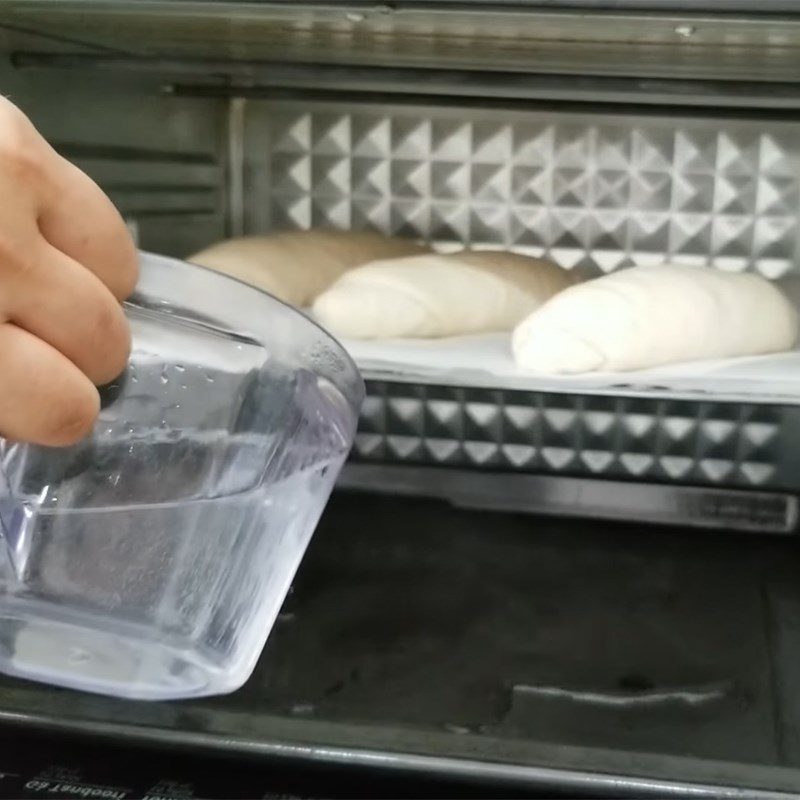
461 403
596 659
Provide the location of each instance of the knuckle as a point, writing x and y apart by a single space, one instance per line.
105 247
110 341
19 154
17 257
127 275
22 164
23 153
116 251
72 420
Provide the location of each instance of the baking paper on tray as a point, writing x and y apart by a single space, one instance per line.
485 360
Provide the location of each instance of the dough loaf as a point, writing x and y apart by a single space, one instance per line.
295 266
649 316
436 295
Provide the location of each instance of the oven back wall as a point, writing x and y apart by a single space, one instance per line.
595 190
158 157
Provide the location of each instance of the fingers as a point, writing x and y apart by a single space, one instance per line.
79 220
66 260
45 399
69 308
72 212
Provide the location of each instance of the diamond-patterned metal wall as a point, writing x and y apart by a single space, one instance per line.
593 191
587 190
647 439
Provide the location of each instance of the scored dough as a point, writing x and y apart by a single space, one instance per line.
295 266
436 295
649 316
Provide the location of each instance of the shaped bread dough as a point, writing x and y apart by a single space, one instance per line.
295 266
648 316
437 295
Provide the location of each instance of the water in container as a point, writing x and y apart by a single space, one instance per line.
150 560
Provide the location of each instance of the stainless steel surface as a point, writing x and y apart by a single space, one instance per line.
592 190
696 6
649 438
211 78
573 783
720 509
557 38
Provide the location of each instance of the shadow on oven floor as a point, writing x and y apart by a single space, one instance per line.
526 650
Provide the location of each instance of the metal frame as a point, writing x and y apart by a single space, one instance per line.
713 509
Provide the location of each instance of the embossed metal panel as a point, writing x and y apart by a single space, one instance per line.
641 438
588 190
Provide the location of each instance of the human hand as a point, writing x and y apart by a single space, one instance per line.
66 262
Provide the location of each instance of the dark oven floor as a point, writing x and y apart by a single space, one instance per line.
529 652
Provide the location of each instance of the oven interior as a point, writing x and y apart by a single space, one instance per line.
540 584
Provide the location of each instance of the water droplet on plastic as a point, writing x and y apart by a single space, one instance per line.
209 377
180 368
164 378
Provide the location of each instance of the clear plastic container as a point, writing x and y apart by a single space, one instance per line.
151 560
